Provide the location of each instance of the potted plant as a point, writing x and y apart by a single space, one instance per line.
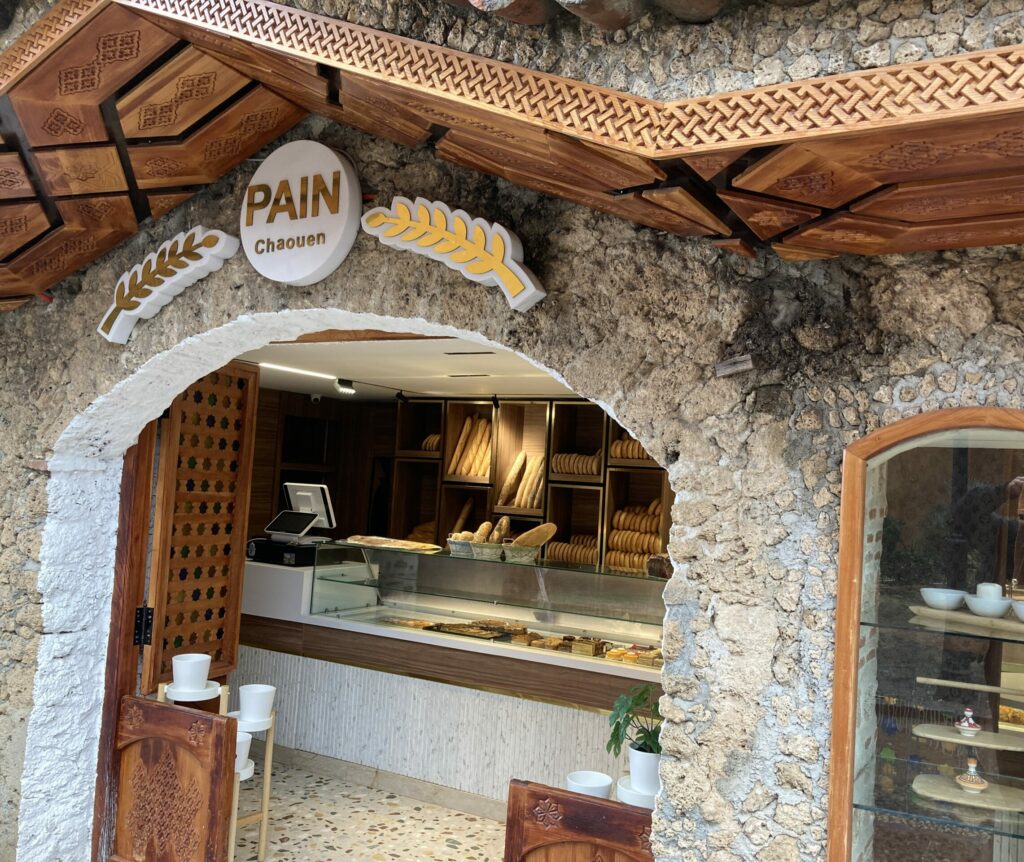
635 718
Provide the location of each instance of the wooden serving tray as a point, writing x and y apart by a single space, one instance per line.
971 621
983 739
995 797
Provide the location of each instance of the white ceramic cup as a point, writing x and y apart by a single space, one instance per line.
591 783
255 702
242 742
989 591
190 671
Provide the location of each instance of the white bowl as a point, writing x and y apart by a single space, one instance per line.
942 600
591 783
625 793
988 607
1018 610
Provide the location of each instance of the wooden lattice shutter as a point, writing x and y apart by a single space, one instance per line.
200 522
174 784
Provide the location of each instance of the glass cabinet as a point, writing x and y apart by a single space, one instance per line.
932 575
601 617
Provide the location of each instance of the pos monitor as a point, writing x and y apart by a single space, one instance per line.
311 498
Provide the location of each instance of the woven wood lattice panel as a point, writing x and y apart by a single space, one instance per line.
202 508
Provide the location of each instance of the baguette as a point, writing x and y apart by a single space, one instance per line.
538 486
460 447
472 448
537 536
524 486
483 532
483 463
512 479
467 507
500 531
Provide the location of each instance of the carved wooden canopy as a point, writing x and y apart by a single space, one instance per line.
115 111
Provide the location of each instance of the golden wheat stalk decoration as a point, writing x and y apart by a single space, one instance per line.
148 286
482 251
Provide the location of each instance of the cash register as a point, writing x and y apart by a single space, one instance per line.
288 542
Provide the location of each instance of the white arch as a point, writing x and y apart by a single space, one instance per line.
79 545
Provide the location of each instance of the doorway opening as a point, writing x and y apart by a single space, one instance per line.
389 456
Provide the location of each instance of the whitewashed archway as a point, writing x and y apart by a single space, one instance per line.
77 565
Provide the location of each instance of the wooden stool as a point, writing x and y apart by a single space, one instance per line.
262 815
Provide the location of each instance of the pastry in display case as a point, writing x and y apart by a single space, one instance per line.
591 617
936 763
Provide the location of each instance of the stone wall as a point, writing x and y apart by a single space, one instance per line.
635 319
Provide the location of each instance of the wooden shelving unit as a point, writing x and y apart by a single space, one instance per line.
617 432
522 427
453 499
577 428
632 486
578 512
414 496
455 422
416 421
580 504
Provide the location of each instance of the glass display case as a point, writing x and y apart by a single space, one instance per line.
937 759
603 619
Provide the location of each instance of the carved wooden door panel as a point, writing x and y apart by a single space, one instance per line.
174 783
200 521
547 824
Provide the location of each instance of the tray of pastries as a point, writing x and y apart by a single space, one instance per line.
505 627
466 630
409 624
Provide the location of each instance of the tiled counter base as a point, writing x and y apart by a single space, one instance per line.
318 819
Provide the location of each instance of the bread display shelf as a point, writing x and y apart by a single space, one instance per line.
469 442
519 512
417 423
970 623
996 797
982 739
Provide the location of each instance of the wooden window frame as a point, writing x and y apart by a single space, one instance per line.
848 600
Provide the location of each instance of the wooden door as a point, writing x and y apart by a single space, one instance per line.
547 824
174 783
200 521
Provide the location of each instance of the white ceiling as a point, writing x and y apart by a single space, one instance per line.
418 367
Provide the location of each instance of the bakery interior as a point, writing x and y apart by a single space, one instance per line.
439 521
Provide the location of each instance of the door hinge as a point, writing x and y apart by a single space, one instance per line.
143 626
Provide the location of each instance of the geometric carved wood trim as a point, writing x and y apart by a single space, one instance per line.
983 83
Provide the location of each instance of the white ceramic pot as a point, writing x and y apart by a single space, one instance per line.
255 702
242 742
989 591
190 671
643 771
591 783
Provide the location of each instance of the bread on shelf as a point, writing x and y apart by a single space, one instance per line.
422 532
574 553
628 448
472 455
576 465
431 443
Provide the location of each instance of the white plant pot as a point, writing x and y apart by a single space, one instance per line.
190 671
242 742
255 702
643 771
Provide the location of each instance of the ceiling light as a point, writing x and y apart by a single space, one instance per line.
291 370
345 387
469 375
469 353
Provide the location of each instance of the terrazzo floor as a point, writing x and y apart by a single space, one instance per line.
317 819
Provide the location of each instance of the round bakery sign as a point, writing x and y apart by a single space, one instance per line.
301 213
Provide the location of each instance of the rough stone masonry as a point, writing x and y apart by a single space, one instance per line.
635 319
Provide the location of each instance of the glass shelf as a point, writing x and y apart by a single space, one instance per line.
552 565
348 576
894 796
932 629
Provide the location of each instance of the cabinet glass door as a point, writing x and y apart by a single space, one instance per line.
939 635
